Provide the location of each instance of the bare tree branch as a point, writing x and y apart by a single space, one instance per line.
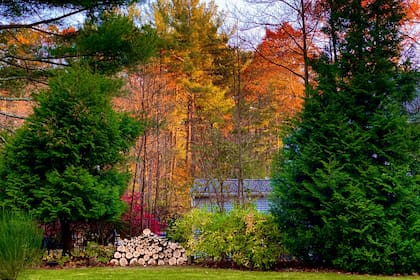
46 21
47 32
8 129
12 115
7 98
41 60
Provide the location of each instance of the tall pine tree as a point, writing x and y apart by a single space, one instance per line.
347 183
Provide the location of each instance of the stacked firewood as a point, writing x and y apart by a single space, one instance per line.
148 249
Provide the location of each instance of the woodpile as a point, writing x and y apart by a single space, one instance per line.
148 249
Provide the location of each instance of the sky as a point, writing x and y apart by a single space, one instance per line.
239 13
227 3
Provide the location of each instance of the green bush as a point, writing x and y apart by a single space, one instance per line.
249 238
100 253
20 243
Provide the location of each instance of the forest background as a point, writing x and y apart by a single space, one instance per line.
215 102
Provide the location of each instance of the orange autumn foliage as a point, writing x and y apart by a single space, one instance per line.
68 31
8 109
274 77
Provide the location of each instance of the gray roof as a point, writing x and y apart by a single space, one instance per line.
254 187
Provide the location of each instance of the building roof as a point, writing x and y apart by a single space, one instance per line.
208 187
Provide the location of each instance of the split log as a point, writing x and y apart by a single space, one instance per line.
114 262
123 262
128 255
133 262
147 231
141 262
177 253
172 261
121 249
180 261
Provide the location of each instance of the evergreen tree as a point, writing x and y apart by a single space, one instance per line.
65 162
347 183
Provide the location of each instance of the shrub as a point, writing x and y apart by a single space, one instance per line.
93 254
20 243
247 237
100 253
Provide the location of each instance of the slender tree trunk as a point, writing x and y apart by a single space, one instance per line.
144 160
174 156
222 196
158 174
143 182
333 31
189 132
240 199
194 131
304 44
133 188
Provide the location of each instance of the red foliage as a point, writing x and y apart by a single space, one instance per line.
133 215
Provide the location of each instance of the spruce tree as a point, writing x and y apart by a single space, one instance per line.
66 163
347 181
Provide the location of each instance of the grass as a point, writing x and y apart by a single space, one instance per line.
182 273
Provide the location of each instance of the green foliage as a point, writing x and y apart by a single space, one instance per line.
250 238
20 242
115 42
97 195
65 162
99 253
92 254
346 186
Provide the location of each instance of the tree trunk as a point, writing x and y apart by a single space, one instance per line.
333 34
143 183
133 189
189 134
304 44
66 237
239 139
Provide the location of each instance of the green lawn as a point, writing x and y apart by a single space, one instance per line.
182 273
